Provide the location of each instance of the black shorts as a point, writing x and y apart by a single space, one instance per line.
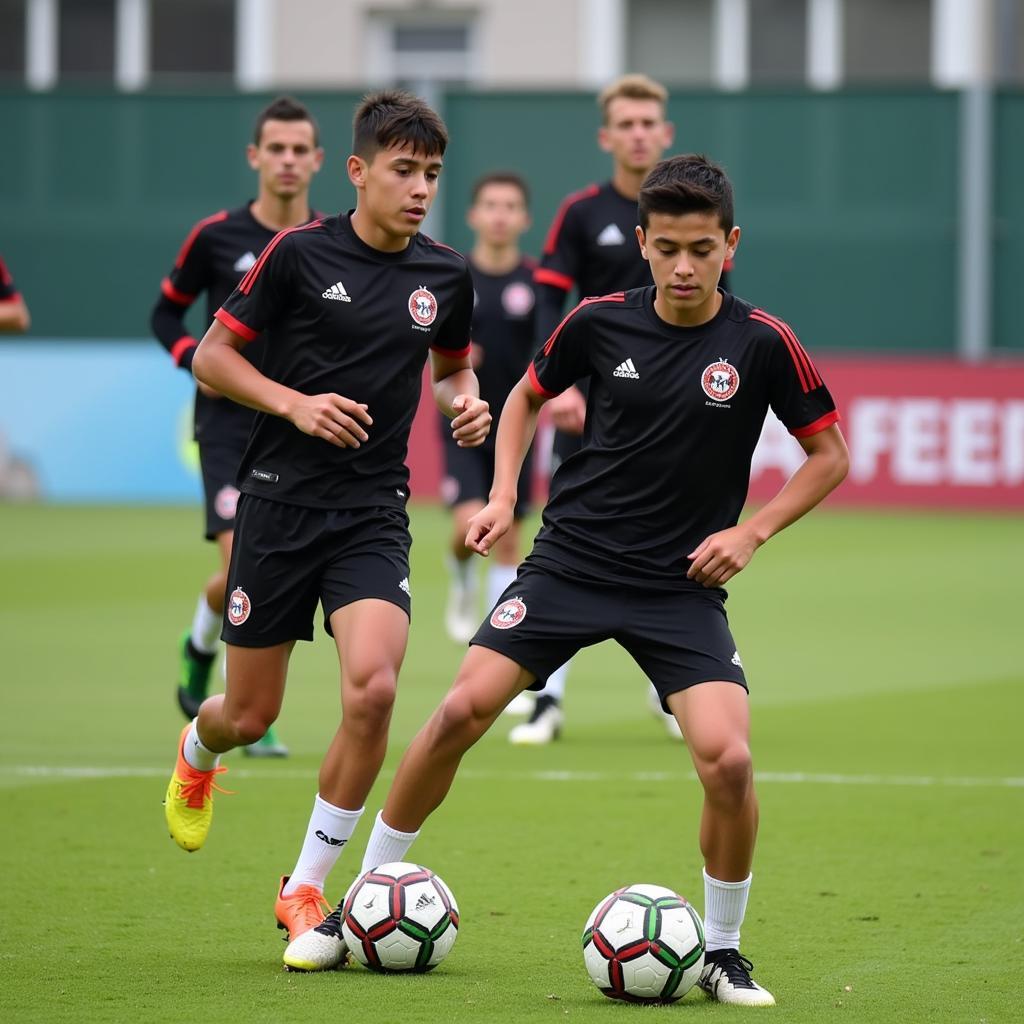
285 558
678 638
470 471
219 465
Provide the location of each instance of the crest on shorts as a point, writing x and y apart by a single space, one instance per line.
423 306
720 381
517 298
225 504
239 606
509 613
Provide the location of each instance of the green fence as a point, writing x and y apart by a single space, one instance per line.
848 201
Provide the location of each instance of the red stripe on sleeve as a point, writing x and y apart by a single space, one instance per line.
5 274
181 346
536 384
544 275
186 246
172 293
13 297
809 379
254 271
551 243
614 297
820 424
236 325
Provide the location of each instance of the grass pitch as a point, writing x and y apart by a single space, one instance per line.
887 696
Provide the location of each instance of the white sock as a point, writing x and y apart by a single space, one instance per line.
555 686
197 754
462 570
206 626
499 577
725 903
329 829
386 845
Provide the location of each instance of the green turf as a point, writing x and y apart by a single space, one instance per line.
887 697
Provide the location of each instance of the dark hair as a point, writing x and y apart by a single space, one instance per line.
284 108
393 117
687 184
501 178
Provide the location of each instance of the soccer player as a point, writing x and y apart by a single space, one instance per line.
349 308
14 317
503 343
591 246
285 154
640 535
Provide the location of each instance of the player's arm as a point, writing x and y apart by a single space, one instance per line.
457 394
219 364
569 410
14 316
725 553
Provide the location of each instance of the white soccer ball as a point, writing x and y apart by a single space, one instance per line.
644 944
399 917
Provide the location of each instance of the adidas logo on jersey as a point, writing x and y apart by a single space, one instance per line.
338 293
245 262
611 235
626 369
404 585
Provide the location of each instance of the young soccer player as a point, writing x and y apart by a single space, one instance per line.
14 316
503 343
218 252
349 308
591 246
640 534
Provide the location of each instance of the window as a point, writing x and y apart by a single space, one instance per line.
1009 43
407 51
778 41
191 37
670 40
887 41
12 39
86 39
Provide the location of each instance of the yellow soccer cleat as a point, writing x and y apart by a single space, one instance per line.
188 806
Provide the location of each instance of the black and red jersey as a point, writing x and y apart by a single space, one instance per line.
8 290
673 416
216 254
339 316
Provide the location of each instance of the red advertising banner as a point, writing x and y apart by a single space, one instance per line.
922 433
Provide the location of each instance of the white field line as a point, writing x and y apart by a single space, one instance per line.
42 771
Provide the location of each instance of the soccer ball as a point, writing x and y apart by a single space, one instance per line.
644 944
399 917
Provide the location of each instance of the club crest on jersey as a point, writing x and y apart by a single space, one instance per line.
508 614
720 381
517 298
239 606
423 306
225 504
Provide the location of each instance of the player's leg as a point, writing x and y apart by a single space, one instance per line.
464 490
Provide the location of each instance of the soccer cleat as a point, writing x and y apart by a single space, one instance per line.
461 614
188 805
543 726
301 910
321 948
668 720
726 978
267 746
520 705
193 676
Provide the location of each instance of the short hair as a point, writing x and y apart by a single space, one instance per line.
631 87
284 108
687 184
393 117
500 178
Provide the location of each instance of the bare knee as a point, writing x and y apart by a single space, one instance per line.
250 725
370 700
728 776
459 717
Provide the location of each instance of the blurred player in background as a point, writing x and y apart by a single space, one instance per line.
681 375
285 154
503 343
14 316
352 306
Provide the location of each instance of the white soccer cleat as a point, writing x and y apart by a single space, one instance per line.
320 949
668 720
520 705
544 725
461 614
726 978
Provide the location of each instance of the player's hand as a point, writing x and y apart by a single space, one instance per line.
206 391
332 417
719 557
488 526
472 423
569 411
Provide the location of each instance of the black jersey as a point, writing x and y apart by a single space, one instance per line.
339 316
503 330
673 416
8 291
215 256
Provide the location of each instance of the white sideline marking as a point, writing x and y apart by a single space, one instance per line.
804 778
